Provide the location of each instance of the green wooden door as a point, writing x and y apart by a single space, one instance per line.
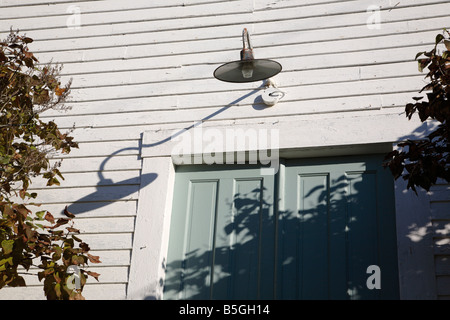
338 218
222 219
333 219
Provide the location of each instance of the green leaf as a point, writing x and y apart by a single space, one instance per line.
423 63
76 238
57 255
420 66
6 260
58 290
5 160
7 246
53 181
68 243
78 260
419 54
58 173
439 38
40 215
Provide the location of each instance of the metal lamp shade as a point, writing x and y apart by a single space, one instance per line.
258 69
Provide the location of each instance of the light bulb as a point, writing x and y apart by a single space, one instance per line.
247 70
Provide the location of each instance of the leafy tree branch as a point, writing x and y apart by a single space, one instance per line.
422 162
26 145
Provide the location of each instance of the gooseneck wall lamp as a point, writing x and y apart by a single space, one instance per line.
248 69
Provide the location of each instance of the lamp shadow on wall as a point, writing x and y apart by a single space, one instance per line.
101 197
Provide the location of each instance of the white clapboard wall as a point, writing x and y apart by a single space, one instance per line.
139 65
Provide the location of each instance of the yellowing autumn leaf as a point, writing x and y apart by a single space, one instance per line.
59 91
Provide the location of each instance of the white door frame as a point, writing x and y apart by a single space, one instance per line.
298 137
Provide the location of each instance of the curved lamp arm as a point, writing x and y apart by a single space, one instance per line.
247 50
246 39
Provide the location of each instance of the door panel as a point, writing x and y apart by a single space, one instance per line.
215 247
338 219
313 233
199 237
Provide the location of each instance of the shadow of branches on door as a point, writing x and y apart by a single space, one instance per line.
316 248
